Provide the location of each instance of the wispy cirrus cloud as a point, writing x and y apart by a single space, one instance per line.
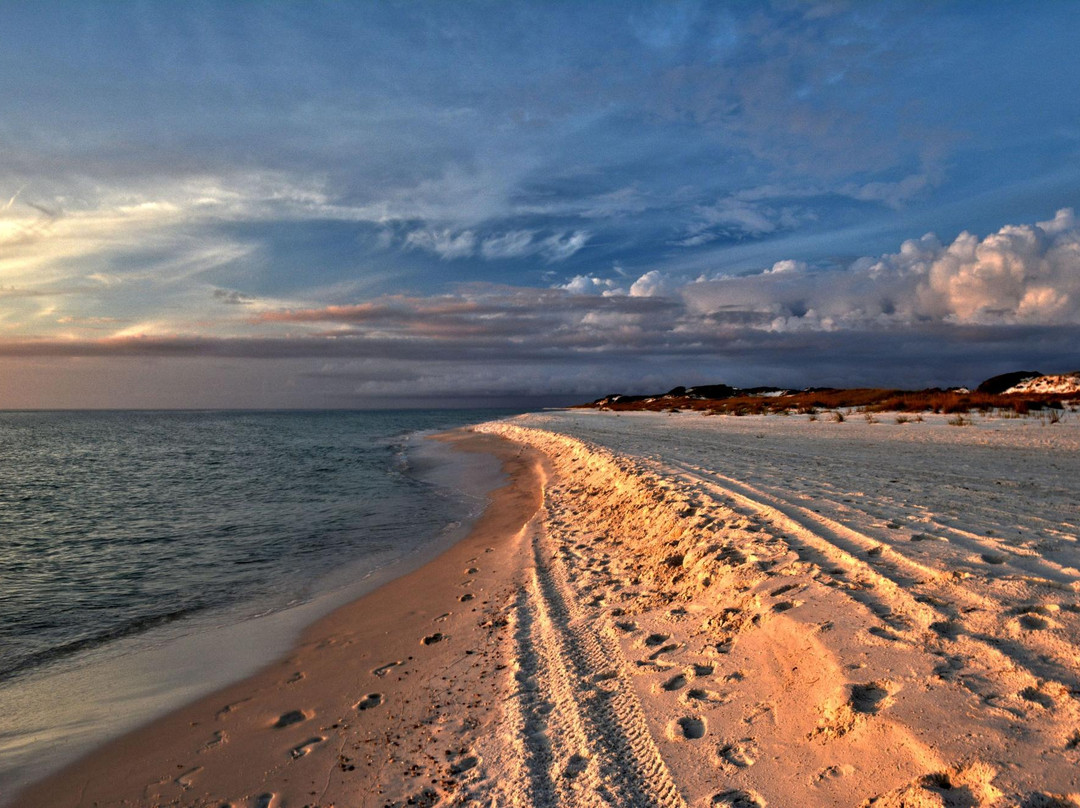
448 244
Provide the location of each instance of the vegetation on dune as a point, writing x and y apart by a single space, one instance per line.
867 400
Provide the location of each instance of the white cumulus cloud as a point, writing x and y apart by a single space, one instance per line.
653 284
1022 274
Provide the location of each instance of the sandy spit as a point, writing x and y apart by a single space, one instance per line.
657 626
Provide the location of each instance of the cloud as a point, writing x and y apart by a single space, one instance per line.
445 243
894 194
547 320
617 357
231 297
736 218
1022 274
908 318
591 285
449 244
787 265
563 245
652 284
514 244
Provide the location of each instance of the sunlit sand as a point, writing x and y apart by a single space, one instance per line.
670 610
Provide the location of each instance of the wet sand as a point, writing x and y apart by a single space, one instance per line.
381 700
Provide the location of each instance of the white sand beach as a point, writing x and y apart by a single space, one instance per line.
669 610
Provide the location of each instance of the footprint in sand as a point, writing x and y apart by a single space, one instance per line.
215 741
187 779
1033 622
833 773
687 728
665 649
1036 696
885 634
737 799
783 589
382 670
576 765
431 639
651 666
290 718
864 701
302 749
468 760
869 698
369 701
735 755
701 695
676 682
948 629
228 708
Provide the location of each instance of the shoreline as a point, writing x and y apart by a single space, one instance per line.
688 612
352 677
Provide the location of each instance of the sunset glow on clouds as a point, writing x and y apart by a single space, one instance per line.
333 205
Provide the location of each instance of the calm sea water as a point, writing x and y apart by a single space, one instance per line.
115 526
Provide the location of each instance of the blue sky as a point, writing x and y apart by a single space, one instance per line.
340 204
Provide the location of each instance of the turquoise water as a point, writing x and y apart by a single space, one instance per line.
126 538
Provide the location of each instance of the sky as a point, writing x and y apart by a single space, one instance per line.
366 204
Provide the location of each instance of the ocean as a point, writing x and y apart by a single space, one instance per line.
147 558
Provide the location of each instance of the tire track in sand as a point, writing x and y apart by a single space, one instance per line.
905 596
580 732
